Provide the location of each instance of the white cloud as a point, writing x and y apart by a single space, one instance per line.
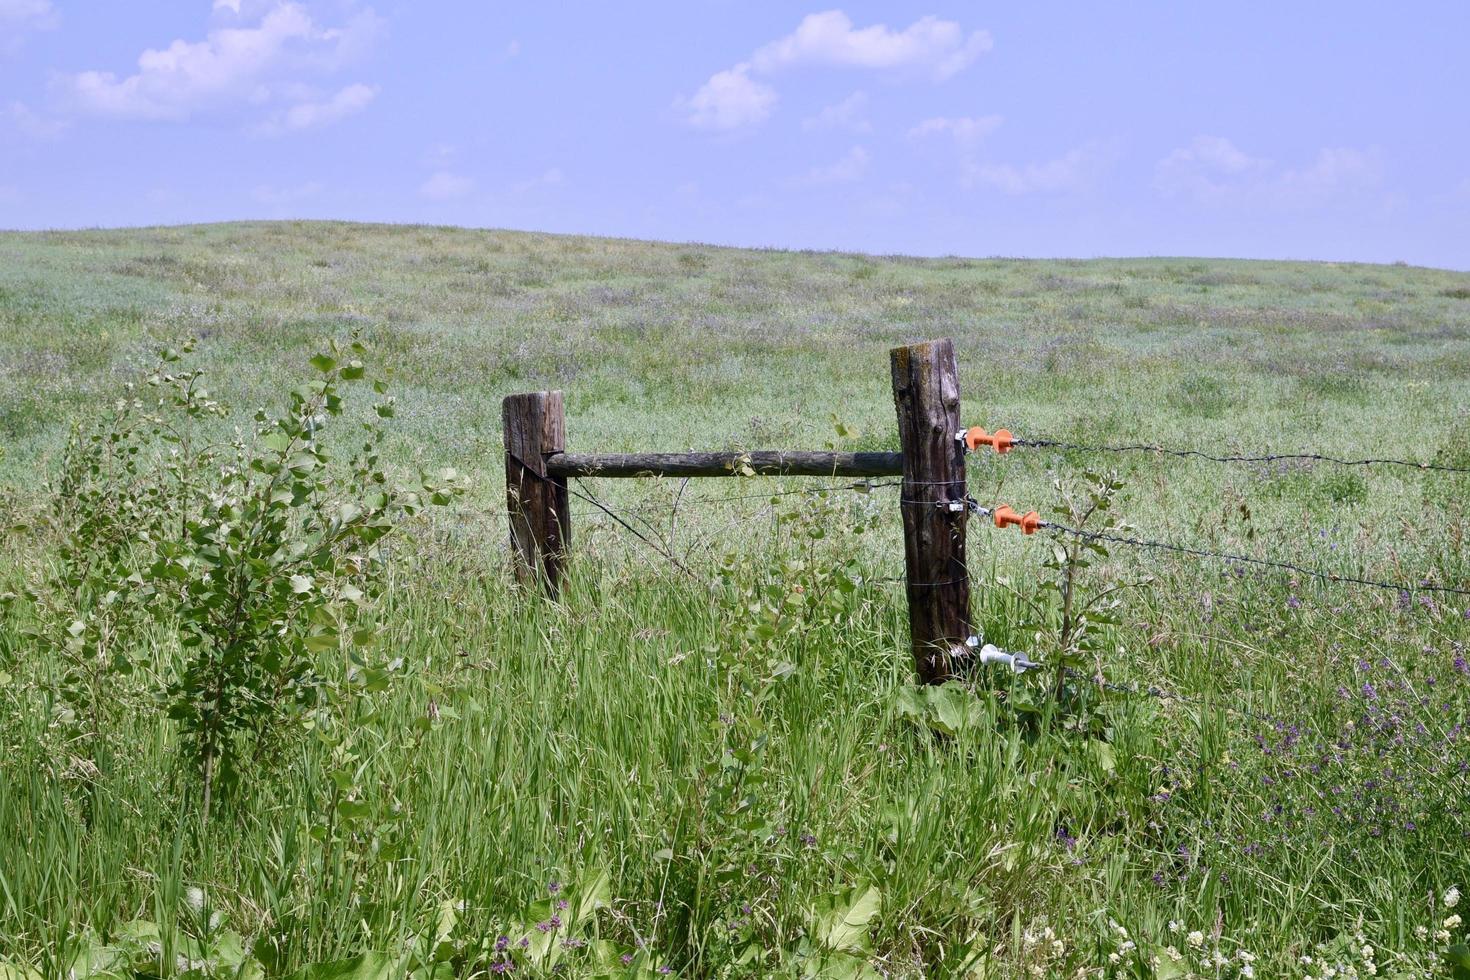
967 131
440 156
1076 170
852 166
20 17
849 115
1336 171
737 97
446 186
512 49
233 6
549 178
1213 170
1208 167
237 68
27 13
729 100
31 123
938 47
309 115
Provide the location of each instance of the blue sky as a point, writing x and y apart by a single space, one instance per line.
1271 130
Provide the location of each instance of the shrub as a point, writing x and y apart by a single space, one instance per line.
259 554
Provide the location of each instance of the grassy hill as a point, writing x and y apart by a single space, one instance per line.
732 764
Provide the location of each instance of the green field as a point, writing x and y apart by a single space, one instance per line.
711 748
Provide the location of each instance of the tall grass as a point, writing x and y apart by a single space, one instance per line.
1298 789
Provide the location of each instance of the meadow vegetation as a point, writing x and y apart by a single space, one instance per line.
271 704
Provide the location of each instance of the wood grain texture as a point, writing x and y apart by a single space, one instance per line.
926 394
764 462
540 513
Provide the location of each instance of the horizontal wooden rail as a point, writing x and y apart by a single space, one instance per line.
926 395
765 463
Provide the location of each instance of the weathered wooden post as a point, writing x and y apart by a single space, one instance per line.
540 514
926 393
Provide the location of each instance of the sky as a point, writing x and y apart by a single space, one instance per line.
1308 130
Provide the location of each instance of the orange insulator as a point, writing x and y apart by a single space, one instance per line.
975 437
1028 522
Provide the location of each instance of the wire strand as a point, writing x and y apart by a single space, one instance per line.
1268 458
662 552
1246 559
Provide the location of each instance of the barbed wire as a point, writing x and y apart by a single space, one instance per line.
969 503
1266 458
1248 560
663 552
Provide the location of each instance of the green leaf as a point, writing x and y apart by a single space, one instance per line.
595 894
324 362
1457 958
322 642
1103 753
354 810
1168 969
842 922
840 966
368 966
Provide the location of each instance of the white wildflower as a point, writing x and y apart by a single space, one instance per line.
1452 921
1195 939
1452 898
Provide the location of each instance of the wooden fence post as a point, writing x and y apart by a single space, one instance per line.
540 514
926 393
